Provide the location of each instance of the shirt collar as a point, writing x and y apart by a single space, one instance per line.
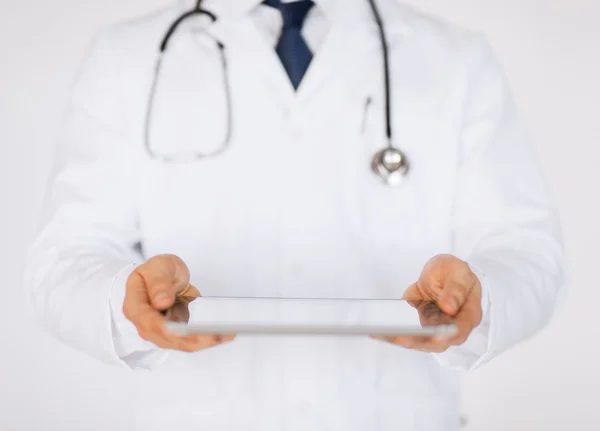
400 17
237 8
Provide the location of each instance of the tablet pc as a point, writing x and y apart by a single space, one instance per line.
386 317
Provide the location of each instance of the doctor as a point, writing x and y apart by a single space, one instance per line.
248 161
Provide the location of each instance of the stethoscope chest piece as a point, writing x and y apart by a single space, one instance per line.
391 165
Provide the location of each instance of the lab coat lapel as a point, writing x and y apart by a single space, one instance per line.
261 58
335 55
354 35
247 50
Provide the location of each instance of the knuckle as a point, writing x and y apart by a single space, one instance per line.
459 290
129 311
161 343
144 335
126 311
477 316
461 339
202 341
145 329
187 347
155 327
391 340
209 342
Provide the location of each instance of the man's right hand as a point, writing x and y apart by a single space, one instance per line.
160 290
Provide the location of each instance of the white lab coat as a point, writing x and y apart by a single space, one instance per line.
292 209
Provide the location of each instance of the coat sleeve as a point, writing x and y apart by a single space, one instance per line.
504 222
86 245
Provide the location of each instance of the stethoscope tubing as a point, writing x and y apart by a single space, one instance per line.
390 163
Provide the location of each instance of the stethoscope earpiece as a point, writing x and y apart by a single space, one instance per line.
391 165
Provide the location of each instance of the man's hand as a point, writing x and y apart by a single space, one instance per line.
160 290
448 282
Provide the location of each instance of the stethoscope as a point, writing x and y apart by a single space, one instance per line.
390 164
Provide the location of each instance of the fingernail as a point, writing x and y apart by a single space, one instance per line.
161 297
453 302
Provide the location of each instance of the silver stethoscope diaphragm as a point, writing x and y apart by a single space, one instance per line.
391 165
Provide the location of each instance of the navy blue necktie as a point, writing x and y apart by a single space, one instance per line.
291 47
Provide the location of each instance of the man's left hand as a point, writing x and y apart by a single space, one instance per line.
448 282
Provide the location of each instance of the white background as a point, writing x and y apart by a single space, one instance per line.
551 52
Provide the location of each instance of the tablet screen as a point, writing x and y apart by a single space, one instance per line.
210 315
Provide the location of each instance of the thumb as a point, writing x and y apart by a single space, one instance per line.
165 277
452 297
446 294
